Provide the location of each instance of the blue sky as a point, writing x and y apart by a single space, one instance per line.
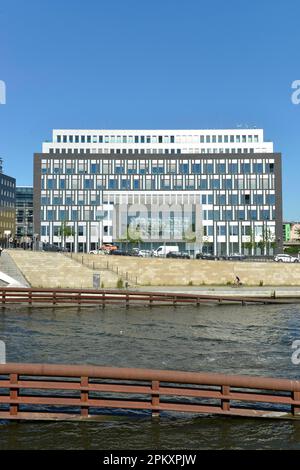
149 64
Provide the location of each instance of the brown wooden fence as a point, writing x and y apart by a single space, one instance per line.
74 392
103 297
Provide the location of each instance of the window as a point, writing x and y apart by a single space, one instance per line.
269 167
125 184
81 230
59 139
265 214
184 168
112 184
196 168
240 214
232 138
215 183
88 184
258 168
221 168
220 199
244 139
208 139
233 230
258 199
233 199
245 198
50 184
270 199
233 168
208 168
245 168
252 214
119 170
94 168
221 230
50 215
203 183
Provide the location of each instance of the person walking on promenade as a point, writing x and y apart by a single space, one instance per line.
1 249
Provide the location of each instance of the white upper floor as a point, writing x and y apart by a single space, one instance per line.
159 141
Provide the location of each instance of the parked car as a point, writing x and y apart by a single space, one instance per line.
108 247
164 250
207 256
285 258
178 254
145 253
236 257
96 252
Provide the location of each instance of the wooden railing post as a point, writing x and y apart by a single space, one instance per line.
225 403
84 397
155 399
13 394
295 408
3 296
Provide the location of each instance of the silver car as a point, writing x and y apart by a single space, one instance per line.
285 258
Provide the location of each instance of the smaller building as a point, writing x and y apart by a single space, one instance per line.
7 210
291 232
24 216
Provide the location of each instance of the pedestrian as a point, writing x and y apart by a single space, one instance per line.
237 281
1 249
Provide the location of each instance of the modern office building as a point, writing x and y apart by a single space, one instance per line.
7 209
204 190
24 215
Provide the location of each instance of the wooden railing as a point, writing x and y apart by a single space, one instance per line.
68 392
105 297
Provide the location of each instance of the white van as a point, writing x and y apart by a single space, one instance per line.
162 251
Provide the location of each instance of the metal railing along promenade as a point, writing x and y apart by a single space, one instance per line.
74 392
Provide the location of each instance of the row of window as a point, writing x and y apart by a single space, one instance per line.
94 198
7 182
157 139
155 167
233 230
89 214
149 151
176 183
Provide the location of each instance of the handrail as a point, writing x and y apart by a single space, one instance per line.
60 391
102 297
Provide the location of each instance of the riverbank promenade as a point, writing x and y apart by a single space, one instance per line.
57 270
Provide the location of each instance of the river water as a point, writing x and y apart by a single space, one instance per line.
254 340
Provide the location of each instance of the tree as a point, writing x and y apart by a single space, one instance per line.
65 231
250 245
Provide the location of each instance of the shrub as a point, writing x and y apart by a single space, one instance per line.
190 283
261 283
120 283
